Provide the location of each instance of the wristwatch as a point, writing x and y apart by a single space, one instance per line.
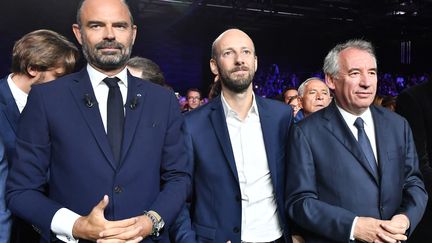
157 221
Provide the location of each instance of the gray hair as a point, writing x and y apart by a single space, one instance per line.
80 4
331 61
303 85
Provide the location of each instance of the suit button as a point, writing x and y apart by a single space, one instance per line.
118 189
237 198
236 229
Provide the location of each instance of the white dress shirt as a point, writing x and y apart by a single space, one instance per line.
370 132
260 222
64 219
19 96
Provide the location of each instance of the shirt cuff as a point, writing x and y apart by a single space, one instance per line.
352 228
62 224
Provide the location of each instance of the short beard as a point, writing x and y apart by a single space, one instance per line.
237 86
107 61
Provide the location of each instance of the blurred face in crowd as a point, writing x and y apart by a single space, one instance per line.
295 104
289 95
106 33
316 96
356 82
193 99
234 60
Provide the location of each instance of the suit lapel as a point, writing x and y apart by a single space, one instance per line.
267 128
217 119
11 111
134 107
338 128
81 87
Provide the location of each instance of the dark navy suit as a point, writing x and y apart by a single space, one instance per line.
5 216
329 181
61 134
21 231
215 210
9 115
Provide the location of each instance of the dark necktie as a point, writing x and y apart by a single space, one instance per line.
115 117
366 146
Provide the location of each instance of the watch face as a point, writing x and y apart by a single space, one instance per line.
160 225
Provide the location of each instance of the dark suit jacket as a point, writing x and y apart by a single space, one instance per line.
329 181
5 215
215 209
415 104
9 115
58 133
21 231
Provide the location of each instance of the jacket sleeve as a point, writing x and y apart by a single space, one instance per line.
302 203
182 230
5 216
175 168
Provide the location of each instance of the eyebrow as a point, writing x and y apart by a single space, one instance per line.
358 69
119 23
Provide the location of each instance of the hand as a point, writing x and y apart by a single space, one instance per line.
89 227
139 230
395 229
367 229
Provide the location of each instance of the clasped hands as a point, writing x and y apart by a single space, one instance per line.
95 227
382 231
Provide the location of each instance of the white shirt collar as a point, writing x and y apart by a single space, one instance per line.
19 96
96 77
230 112
350 118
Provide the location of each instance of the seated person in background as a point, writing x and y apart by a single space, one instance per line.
290 96
314 95
193 97
289 93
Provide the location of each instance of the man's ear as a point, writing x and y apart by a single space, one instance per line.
33 72
213 67
256 63
134 30
330 81
77 32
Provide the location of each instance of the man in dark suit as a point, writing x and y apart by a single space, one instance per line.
100 153
5 215
38 57
237 143
415 104
352 173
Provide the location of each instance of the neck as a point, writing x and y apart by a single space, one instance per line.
22 81
239 102
109 73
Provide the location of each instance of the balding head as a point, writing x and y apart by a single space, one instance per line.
228 34
234 60
98 2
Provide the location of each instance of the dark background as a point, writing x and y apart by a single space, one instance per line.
294 34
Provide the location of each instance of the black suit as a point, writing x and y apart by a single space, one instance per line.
415 104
